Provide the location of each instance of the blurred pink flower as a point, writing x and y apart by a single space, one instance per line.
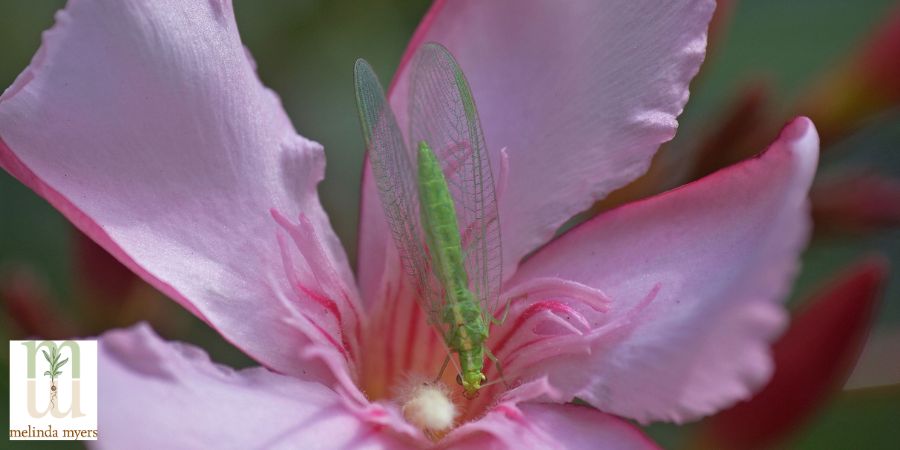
841 100
813 360
27 303
866 83
145 124
104 295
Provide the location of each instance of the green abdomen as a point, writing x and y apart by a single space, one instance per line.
466 330
439 223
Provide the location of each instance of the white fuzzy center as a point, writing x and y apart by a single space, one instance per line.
428 406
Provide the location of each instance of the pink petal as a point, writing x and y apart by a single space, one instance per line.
696 277
547 316
582 95
145 124
406 343
156 394
521 424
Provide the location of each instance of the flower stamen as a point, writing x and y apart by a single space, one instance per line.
428 406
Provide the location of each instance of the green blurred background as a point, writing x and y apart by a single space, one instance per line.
305 51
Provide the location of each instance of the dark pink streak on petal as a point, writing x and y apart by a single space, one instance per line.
291 274
357 329
529 312
516 352
320 273
332 308
328 337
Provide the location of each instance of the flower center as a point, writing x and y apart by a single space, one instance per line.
428 406
402 356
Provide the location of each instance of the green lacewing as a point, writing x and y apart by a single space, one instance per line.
437 193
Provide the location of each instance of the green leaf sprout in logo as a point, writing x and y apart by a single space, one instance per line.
54 372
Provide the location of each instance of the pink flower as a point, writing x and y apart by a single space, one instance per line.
813 361
145 124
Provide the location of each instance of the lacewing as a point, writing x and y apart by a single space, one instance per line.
437 192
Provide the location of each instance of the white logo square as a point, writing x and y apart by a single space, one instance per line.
53 390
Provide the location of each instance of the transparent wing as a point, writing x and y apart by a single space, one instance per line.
395 176
442 113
